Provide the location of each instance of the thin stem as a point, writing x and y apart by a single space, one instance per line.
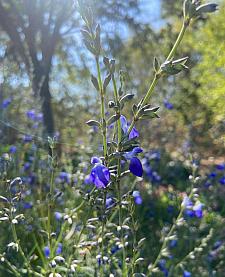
158 74
50 205
117 100
179 39
119 132
102 96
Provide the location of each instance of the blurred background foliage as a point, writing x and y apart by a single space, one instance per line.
45 68
49 48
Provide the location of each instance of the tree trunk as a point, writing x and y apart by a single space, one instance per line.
41 89
47 111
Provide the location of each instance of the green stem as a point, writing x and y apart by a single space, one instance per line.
179 39
50 205
116 101
124 273
158 75
102 96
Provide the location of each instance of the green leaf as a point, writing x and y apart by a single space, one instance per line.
95 82
126 98
93 123
113 119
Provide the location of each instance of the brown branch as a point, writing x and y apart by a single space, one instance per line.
7 24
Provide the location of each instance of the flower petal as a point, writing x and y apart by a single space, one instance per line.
124 124
136 167
134 133
133 153
100 175
95 160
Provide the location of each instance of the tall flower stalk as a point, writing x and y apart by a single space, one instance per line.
107 171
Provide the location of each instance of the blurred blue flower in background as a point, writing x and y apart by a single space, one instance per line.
222 180
186 273
220 166
6 102
168 105
12 149
59 249
137 197
47 251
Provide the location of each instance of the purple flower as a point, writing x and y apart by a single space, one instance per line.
135 164
162 267
137 197
222 180
100 174
31 114
168 105
47 251
39 117
109 202
26 166
192 210
198 210
27 138
207 184
12 149
173 243
64 177
220 166
58 215
115 249
6 102
187 203
125 126
27 205
186 273
212 175
59 249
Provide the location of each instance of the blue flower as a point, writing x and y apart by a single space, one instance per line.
27 138
173 243
135 164
47 251
58 215
6 102
217 244
212 175
12 149
59 249
125 126
162 267
28 205
64 177
31 114
192 210
109 202
137 197
186 273
198 209
220 166
168 105
222 180
100 174
115 249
